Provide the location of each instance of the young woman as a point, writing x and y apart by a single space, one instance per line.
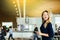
46 27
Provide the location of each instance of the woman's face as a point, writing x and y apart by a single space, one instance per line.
45 16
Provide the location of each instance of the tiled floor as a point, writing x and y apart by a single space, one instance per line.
29 39
19 39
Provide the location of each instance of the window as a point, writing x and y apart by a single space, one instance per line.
7 24
57 21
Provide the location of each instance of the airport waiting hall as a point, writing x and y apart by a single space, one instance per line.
19 17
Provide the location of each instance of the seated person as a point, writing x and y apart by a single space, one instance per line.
35 34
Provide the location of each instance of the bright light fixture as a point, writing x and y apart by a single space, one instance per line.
13 2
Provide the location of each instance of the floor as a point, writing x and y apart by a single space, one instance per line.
19 39
29 39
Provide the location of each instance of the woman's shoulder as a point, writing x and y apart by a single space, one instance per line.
49 23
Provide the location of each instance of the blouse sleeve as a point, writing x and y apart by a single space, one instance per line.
50 30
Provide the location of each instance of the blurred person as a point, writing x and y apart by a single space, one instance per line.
18 27
3 33
10 33
35 34
47 32
22 27
58 30
0 34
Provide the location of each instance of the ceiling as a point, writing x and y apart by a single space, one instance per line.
8 9
34 8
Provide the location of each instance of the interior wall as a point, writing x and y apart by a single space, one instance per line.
8 19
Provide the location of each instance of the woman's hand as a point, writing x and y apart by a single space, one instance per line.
39 33
42 34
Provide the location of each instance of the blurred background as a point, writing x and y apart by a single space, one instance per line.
23 14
